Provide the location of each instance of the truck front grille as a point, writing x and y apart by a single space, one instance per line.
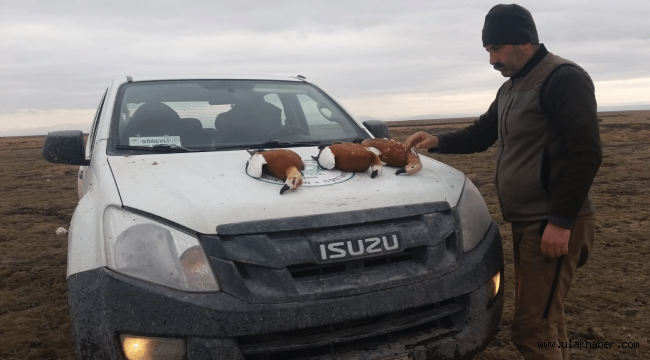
351 335
310 271
283 260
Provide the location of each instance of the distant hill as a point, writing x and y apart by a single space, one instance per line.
85 127
417 121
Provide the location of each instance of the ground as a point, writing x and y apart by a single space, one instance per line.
608 302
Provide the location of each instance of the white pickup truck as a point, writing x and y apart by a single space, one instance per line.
175 252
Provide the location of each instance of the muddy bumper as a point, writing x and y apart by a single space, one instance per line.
446 317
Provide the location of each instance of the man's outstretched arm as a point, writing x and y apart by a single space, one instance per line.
477 137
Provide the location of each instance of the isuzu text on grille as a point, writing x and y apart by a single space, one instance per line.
353 248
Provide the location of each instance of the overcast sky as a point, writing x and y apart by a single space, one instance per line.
387 60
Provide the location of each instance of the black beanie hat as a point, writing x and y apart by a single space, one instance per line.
509 25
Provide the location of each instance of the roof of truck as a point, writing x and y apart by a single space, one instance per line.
204 76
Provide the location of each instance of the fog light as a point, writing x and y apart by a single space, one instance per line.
492 287
149 348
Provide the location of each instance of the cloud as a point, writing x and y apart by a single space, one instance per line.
623 92
415 105
34 122
62 55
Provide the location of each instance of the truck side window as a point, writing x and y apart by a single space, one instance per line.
274 99
93 130
320 126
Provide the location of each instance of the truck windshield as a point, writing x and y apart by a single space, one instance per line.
207 115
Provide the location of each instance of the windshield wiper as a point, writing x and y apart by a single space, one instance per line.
283 143
273 144
160 148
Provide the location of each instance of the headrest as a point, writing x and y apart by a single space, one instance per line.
154 119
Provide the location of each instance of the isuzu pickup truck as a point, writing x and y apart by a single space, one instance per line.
176 252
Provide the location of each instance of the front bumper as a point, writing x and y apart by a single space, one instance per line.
105 304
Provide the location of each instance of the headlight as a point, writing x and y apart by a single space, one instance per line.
148 250
474 216
492 288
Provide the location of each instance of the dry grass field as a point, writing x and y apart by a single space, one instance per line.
610 300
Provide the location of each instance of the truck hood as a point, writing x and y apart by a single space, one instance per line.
203 190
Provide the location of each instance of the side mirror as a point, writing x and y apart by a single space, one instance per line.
377 128
65 147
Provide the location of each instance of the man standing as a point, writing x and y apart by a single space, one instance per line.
545 124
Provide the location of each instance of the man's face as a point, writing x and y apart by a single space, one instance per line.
508 59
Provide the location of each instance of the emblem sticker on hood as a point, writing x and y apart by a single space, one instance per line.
314 175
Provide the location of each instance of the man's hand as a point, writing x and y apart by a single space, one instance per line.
555 241
421 140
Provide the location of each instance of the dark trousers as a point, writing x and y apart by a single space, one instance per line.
542 283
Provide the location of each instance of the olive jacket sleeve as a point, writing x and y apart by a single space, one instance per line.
568 99
477 137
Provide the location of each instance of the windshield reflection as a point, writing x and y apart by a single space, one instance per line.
225 114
